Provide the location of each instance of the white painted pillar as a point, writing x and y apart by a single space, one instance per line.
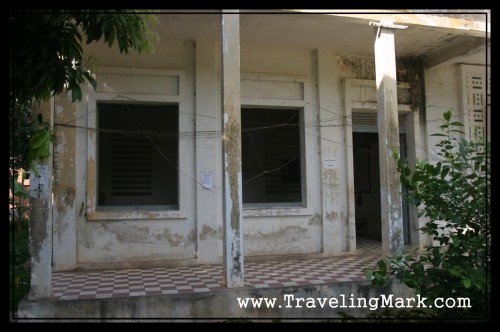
388 133
40 225
64 185
208 152
337 234
231 145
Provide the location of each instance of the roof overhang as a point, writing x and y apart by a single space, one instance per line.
435 38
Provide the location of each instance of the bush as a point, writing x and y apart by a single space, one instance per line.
454 196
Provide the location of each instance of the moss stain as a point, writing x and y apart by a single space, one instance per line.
315 220
208 232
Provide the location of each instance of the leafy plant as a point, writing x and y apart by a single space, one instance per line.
48 52
19 266
454 195
47 59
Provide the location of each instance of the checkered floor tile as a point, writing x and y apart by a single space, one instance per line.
159 281
364 244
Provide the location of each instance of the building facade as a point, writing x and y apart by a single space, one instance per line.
255 135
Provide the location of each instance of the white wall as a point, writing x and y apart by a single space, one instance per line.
441 94
139 240
321 226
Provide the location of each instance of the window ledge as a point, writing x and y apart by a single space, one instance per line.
133 215
256 212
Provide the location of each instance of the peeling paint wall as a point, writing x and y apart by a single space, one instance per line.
198 235
407 70
269 232
337 231
140 240
209 202
65 209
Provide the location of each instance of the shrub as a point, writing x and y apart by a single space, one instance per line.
454 195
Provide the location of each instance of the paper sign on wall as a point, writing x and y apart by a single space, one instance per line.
207 179
328 163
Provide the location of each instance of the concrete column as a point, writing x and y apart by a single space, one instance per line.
231 145
388 135
40 225
65 209
208 152
337 233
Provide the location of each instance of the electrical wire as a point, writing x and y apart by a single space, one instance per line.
320 123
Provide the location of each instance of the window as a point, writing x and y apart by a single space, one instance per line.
135 168
271 155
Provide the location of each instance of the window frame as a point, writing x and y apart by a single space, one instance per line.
95 213
145 207
264 205
256 210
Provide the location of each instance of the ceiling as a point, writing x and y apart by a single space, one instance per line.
308 31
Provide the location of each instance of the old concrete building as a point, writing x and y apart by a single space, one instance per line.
254 136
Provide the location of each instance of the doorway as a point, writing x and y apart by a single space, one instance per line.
367 191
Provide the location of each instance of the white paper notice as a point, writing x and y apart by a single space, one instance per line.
328 164
207 180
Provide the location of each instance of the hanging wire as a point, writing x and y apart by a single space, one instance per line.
160 150
272 170
265 127
336 117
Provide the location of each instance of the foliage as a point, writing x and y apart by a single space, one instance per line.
17 194
47 59
48 53
454 196
19 271
30 138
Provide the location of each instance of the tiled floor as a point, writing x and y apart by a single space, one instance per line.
158 281
367 245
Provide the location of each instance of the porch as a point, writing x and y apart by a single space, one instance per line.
207 278
198 291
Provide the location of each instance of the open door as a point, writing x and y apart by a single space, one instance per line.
367 182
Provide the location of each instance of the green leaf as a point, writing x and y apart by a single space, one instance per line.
447 115
455 272
111 37
368 274
467 283
91 80
382 265
76 94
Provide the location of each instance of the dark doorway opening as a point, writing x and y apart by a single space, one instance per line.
367 190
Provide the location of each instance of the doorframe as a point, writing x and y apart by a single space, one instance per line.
360 97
